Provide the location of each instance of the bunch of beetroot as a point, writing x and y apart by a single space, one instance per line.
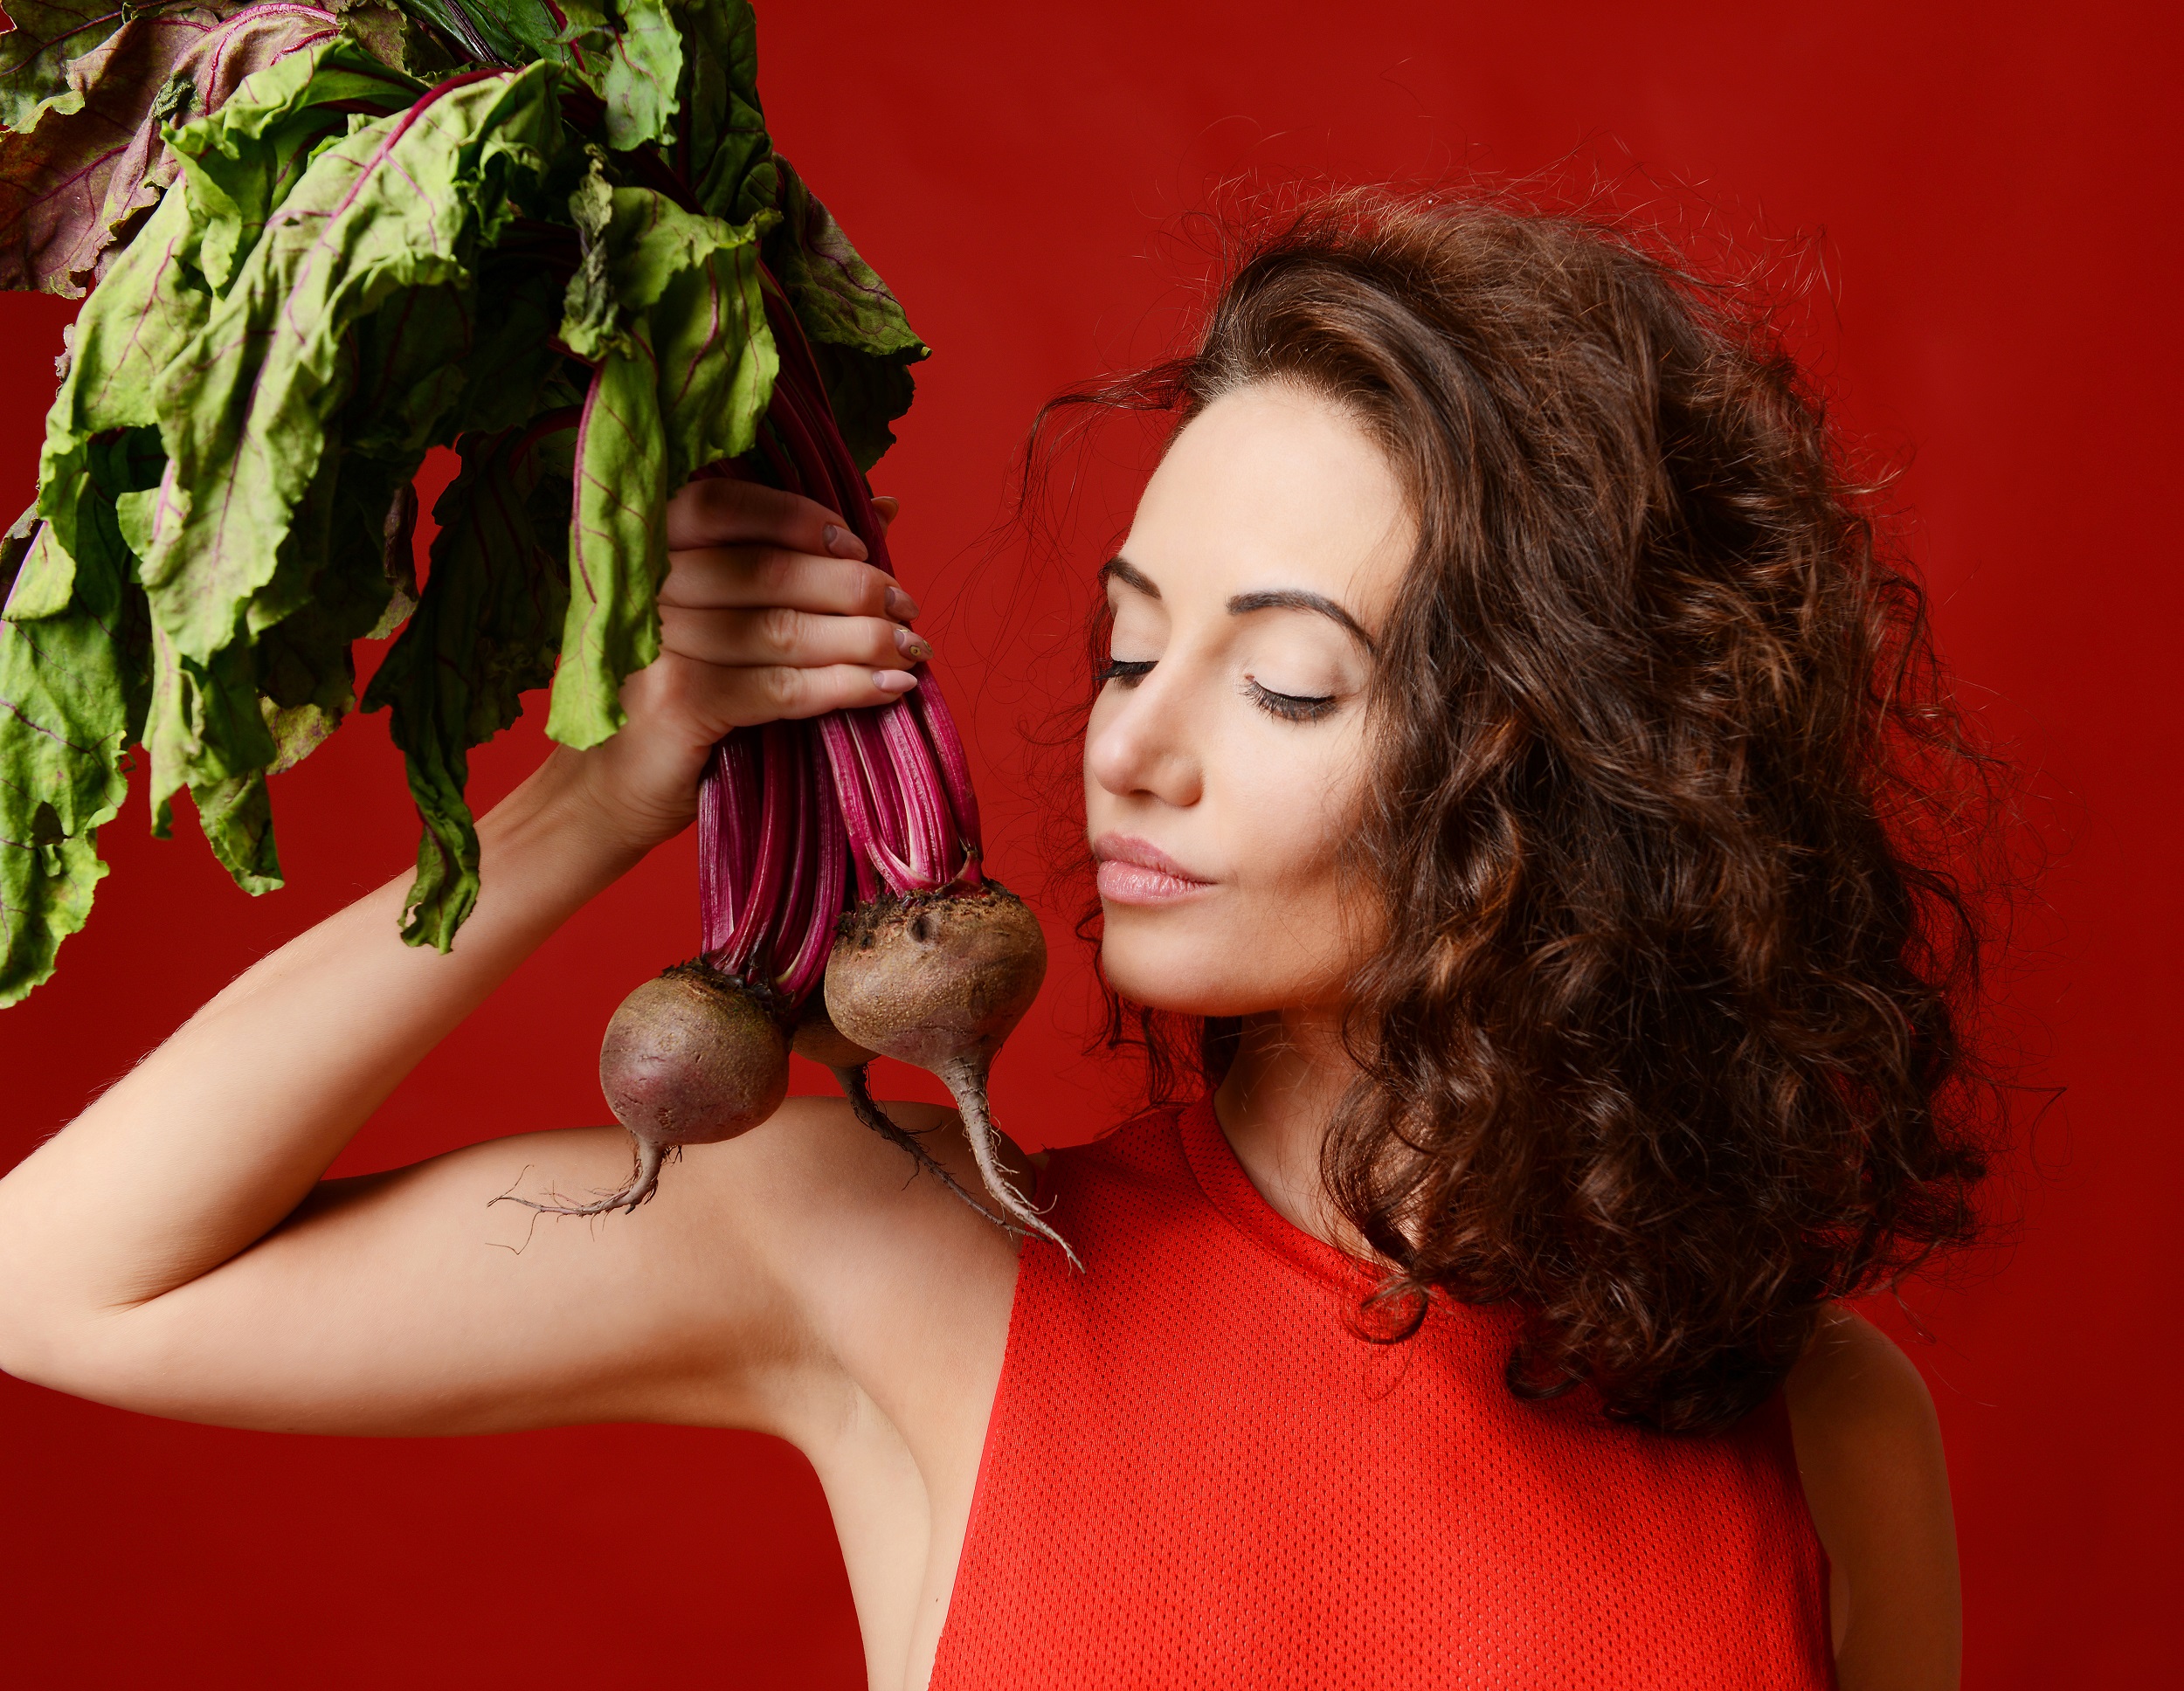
320 240
840 854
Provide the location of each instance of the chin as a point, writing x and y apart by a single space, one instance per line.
1192 979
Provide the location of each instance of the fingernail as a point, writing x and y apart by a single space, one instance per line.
894 680
911 646
900 605
842 543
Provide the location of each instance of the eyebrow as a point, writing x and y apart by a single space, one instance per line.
1242 604
1122 570
1295 599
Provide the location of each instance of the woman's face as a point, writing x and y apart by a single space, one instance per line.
1226 758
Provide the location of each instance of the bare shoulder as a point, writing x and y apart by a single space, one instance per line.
1853 1382
891 1276
1869 1451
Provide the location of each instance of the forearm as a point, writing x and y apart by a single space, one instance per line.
221 1132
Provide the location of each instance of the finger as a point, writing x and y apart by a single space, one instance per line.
721 511
718 577
743 698
778 635
885 507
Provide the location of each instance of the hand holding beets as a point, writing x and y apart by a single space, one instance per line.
768 613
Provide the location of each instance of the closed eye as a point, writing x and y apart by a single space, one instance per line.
1290 706
1124 670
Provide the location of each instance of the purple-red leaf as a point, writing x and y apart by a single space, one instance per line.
77 182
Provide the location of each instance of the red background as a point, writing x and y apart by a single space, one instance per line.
1984 198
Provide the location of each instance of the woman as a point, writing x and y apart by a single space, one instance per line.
1505 755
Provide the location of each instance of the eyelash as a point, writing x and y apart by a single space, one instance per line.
1289 707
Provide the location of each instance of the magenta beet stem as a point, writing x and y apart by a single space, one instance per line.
786 935
939 724
784 842
755 912
827 846
728 816
929 829
890 834
841 745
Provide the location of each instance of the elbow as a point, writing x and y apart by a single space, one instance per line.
33 1352
47 1339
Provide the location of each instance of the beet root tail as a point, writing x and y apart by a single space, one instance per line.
965 1077
868 1111
642 1185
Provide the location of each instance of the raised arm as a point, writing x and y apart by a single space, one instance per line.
174 1251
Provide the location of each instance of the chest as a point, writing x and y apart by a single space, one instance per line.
1199 1472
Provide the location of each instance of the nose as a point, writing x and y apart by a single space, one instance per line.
1141 744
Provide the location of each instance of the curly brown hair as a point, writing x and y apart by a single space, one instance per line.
1668 1047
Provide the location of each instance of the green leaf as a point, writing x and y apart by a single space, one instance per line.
15 547
136 324
635 245
242 162
71 695
513 371
116 467
204 729
45 577
340 554
92 166
717 357
495 31
407 362
726 125
590 313
618 554
396 204
235 816
485 632
863 343
390 35
35 55
643 70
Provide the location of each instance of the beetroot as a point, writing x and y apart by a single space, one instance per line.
691 1058
940 979
868 813
818 1039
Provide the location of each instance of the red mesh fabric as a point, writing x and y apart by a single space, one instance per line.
1195 1475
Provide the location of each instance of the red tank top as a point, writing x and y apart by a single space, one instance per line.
1196 1474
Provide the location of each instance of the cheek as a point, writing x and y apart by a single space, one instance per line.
1281 932
1293 809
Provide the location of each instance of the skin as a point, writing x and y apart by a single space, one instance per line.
176 1251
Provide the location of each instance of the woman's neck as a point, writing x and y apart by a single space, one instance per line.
1274 1104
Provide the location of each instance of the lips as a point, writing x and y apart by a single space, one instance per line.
1134 871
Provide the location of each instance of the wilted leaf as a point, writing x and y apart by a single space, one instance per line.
485 632
88 170
725 125
72 694
617 554
135 325
35 54
393 37
863 343
395 205
643 70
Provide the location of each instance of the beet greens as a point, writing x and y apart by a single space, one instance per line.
318 242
